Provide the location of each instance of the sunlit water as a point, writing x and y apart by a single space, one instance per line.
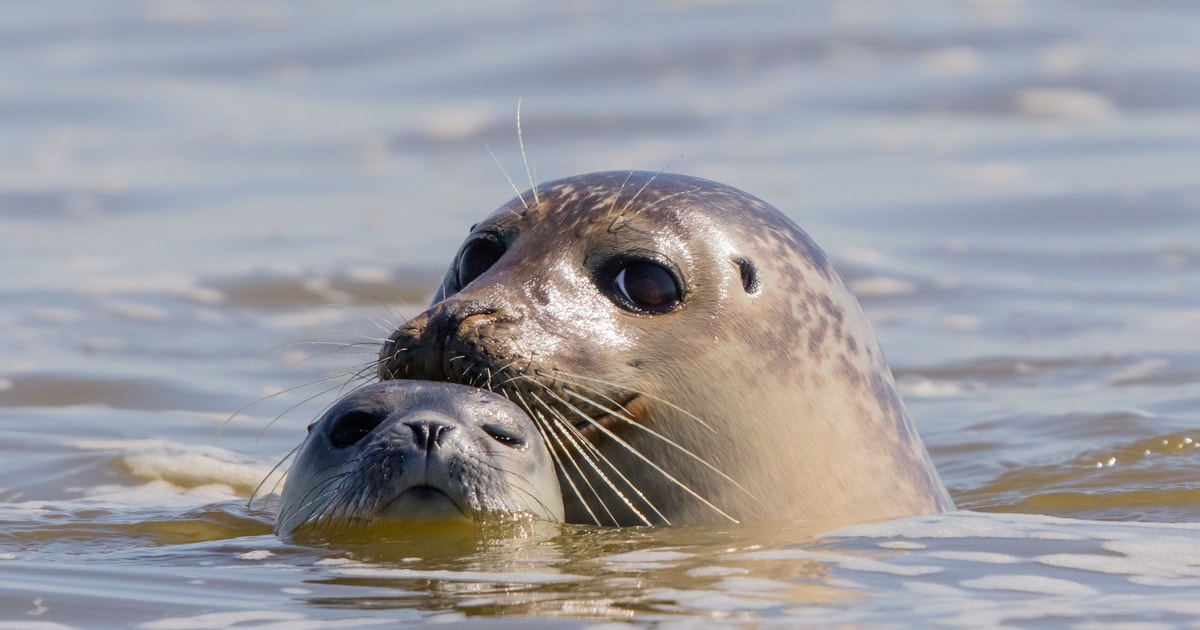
190 193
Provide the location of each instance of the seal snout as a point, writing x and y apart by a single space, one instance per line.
428 434
429 345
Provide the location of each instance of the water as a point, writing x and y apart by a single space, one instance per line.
192 193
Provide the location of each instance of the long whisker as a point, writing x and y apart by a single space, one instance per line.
616 471
314 496
505 173
271 473
525 157
629 447
543 427
657 399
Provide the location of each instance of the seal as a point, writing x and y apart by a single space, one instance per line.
411 451
687 352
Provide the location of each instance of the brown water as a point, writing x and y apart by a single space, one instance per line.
192 193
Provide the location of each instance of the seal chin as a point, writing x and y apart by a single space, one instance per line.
423 503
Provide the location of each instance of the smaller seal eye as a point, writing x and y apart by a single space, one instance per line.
645 287
477 256
351 427
504 435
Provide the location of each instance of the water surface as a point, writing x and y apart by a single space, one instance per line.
207 206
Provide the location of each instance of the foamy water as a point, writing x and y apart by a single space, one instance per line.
191 195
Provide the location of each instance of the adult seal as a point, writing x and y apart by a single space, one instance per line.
688 354
409 451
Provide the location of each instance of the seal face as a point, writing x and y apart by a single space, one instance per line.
410 451
687 352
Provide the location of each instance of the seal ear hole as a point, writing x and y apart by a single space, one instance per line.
749 272
504 435
477 256
351 427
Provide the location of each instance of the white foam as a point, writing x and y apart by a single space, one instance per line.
376 275
953 61
1159 557
1030 584
134 310
964 524
515 577
907 545
881 286
845 561
187 467
649 555
263 619
985 557
960 322
1065 103
926 388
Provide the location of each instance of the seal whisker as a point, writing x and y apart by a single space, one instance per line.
594 457
504 172
325 379
657 399
659 469
316 503
659 436
270 473
599 455
525 158
544 428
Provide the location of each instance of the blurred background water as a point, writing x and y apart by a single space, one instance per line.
193 193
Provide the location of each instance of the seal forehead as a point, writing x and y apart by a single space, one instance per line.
615 199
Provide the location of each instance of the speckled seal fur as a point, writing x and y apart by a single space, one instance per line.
762 395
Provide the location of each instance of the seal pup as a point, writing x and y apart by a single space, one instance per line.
687 352
410 451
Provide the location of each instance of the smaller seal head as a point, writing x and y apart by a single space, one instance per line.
417 451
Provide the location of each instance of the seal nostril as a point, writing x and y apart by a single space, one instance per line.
428 435
351 427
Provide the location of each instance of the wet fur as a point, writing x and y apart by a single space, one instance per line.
754 400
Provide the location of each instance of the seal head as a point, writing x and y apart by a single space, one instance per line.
688 353
411 451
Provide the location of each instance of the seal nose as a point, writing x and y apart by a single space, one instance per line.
418 350
428 434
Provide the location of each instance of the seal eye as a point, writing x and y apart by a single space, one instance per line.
351 427
645 287
477 256
504 435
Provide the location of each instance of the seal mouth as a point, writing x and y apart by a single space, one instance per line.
425 503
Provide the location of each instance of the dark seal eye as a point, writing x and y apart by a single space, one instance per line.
643 286
351 427
477 257
504 435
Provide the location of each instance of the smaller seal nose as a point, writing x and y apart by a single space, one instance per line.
428 434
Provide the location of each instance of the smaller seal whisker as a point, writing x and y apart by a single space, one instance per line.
270 473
